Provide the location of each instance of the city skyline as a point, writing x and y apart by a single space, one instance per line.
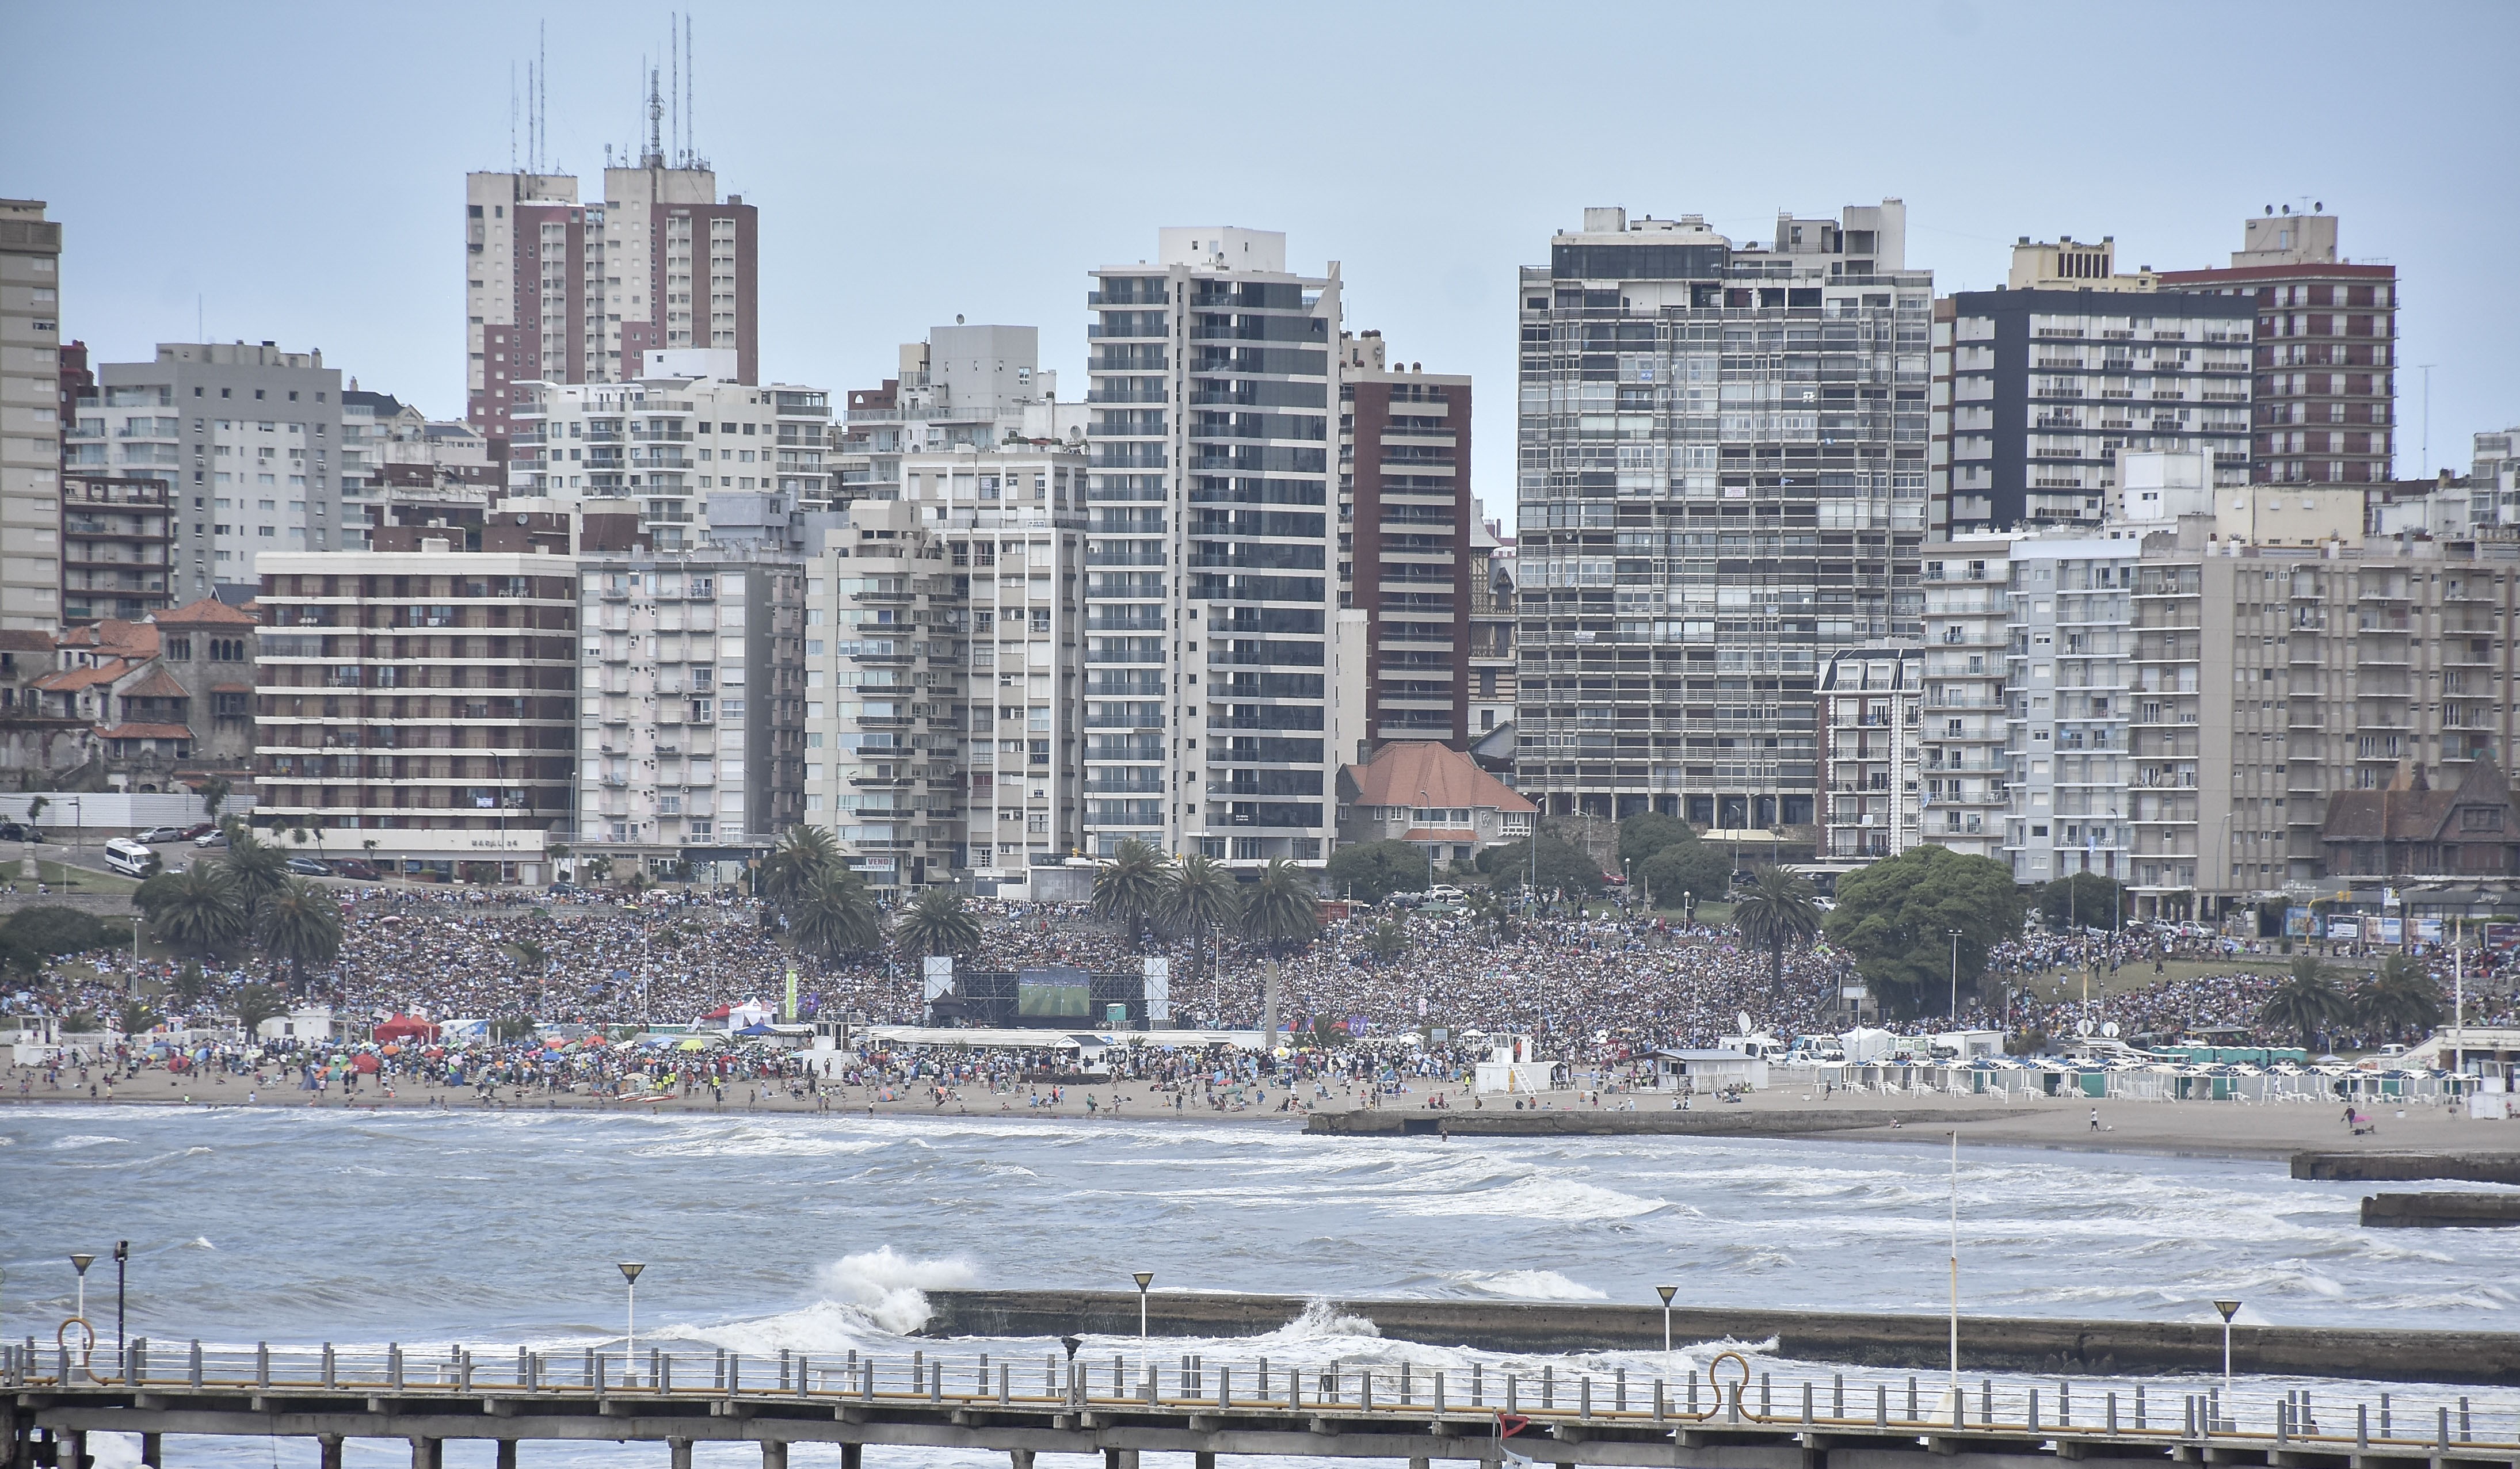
1378 187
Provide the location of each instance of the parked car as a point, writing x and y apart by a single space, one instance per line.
156 834
212 839
18 832
352 867
129 857
309 866
199 829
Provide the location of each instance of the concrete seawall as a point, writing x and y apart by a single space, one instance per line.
2441 1211
1711 1121
2398 1168
1878 1340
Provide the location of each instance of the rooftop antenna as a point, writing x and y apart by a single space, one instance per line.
655 154
674 54
691 97
541 98
512 116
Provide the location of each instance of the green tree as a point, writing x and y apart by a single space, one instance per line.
198 910
1129 888
797 863
257 1003
1687 866
2401 999
138 1019
837 916
1371 872
1649 831
259 869
510 1029
1563 866
1777 912
301 925
1200 899
190 985
1388 940
54 931
2080 900
2307 1002
937 922
213 791
1895 916
1282 911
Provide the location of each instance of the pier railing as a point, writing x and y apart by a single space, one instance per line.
1569 1406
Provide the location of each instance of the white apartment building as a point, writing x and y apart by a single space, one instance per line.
248 438
685 452
2493 479
691 708
557 291
2070 675
1209 587
964 387
885 711
1961 738
31 416
1871 716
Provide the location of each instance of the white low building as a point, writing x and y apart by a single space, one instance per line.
1695 1070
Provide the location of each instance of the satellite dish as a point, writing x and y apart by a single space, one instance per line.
2082 1027
2109 1029
1745 1022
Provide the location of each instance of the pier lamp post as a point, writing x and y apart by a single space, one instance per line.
121 1265
1955 976
80 1262
1666 1292
630 1270
2228 1309
1144 1278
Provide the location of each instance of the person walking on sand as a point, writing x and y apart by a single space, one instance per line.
2095 1119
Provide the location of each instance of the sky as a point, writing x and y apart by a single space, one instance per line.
295 172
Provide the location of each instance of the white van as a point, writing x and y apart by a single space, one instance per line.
129 857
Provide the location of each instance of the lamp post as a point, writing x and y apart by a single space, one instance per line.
121 1264
80 1262
1144 1278
1955 976
1666 1292
1688 907
1956 1274
630 1270
2228 1309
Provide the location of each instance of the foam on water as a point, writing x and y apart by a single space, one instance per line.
1529 1285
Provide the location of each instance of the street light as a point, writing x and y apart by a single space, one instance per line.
1144 1278
1666 1292
1955 976
2228 1309
80 1262
121 1263
630 1270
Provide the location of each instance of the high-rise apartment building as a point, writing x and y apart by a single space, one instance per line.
964 388
2494 481
1870 721
557 291
1209 591
2070 675
116 532
691 731
1405 521
1723 482
2039 391
420 708
31 415
1961 737
247 439
2325 350
691 455
1492 666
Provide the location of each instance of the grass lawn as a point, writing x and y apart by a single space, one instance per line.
61 876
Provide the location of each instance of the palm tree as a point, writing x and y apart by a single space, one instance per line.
138 1019
214 794
2306 1002
1129 889
837 916
1777 912
1387 941
1200 899
198 910
2402 999
937 923
1281 910
796 865
259 869
257 1003
300 924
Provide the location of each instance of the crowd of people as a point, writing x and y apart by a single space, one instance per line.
1589 989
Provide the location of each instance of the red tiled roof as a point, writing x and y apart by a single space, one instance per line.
66 680
129 640
158 684
1421 773
144 732
26 639
209 611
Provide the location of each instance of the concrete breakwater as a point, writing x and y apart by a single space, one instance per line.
1710 1121
2017 1344
2392 1167
2441 1211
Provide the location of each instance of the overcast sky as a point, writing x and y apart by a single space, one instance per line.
297 170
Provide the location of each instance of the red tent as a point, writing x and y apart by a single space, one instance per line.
405 1028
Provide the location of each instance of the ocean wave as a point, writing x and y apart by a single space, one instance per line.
76 1140
1538 1197
890 1288
1529 1285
